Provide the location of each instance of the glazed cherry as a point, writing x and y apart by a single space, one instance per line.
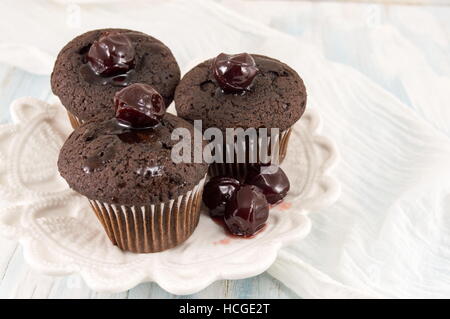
272 181
247 211
234 73
139 106
112 54
217 193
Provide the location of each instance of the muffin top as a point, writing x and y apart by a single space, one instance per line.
275 99
87 95
115 164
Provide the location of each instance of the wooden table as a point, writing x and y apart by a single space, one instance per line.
18 280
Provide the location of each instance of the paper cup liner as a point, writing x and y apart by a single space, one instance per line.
239 170
151 228
74 121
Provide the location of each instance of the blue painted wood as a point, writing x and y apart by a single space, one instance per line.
15 83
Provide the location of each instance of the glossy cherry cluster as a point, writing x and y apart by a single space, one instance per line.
244 206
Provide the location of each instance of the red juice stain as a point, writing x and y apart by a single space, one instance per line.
282 205
224 241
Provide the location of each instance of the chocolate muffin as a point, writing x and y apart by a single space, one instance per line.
276 97
243 91
95 65
123 165
112 163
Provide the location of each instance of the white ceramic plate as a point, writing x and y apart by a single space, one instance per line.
60 235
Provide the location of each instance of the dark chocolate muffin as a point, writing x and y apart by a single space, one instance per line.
93 66
273 97
243 91
145 198
112 163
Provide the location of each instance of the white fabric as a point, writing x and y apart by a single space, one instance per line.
388 235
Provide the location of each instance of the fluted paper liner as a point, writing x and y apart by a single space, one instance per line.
151 228
74 121
240 169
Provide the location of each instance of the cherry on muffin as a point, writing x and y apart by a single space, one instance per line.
234 73
112 54
139 106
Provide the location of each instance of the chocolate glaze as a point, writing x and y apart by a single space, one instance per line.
99 159
123 79
124 134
